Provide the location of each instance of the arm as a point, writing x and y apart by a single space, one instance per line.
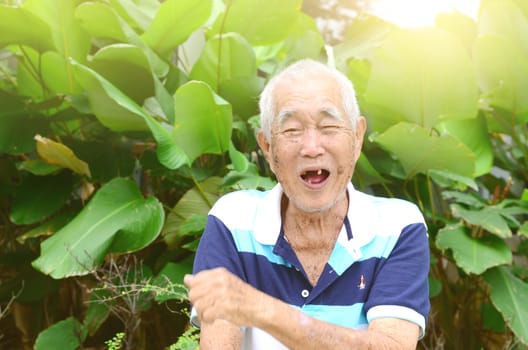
224 303
220 334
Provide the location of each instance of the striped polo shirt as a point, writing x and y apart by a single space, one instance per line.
378 267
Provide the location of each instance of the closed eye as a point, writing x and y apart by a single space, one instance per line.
292 132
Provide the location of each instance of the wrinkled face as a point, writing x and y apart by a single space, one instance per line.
313 148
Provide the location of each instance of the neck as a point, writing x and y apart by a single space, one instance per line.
312 228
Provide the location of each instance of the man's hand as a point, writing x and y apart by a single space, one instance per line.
217 294
224 303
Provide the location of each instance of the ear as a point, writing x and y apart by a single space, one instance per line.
264 145
361 127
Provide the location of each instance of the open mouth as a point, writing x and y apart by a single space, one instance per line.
315 177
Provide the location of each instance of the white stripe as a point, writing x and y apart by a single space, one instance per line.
397 311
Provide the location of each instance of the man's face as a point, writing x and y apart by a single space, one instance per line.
313 148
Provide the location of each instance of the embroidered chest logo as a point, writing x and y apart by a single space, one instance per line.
361 284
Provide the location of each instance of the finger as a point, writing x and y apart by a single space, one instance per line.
187 280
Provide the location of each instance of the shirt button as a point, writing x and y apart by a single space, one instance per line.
305 293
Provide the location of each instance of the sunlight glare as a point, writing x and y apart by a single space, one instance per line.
421 13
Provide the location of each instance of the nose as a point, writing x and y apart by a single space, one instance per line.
312 143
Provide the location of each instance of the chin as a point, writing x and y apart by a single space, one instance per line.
317 208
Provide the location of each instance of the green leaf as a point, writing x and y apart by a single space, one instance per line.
196 201
117 219
506 19
450 180
40 196
304 41
111 106
202 121
174 22
261 22
363 36
460 24
502 70
118 112
509 294
435 287
492 319
228 64
20 26
51 226
138 14
474 134
238 159
419 151
473 255
365 174
69 37
125 65
101 21
38 167
108 158
247 179
421 76
67 334
97 313
17 127
489 218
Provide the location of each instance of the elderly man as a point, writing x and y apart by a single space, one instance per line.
312 263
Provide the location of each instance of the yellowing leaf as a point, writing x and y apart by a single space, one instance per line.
58 154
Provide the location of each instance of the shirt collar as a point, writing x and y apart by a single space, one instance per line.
268 218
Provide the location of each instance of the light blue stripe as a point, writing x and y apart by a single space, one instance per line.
340 260
351 316
379 247
246 244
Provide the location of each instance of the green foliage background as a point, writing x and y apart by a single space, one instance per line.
122 121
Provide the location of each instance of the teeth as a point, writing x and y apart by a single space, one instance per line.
319 172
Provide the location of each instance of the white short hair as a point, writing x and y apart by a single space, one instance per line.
298 70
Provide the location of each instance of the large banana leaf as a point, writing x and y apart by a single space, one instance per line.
490 218
471 254
505 19
228 64
195 202
20 26
124 65
202 121
67 334
138 14
261 22
38 197
103 22
509 295
420 76
418 151
17 128
474 134
118 112
117 219
503 76
70 39
184 15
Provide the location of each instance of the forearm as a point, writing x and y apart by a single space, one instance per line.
297 330
220 335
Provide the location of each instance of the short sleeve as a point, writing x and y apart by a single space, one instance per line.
401 288
216 249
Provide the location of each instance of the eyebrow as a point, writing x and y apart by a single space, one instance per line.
330 112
